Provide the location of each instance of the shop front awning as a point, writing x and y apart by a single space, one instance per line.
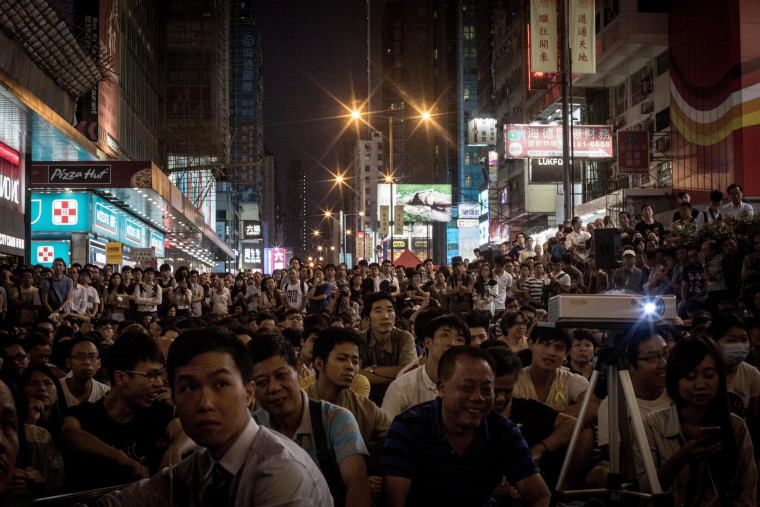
143 190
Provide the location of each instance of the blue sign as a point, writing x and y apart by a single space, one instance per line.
65 211
157 241
132 232
45 252
105 218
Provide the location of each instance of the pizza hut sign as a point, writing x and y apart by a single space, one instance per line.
83 174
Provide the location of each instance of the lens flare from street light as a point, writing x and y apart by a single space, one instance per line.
328 213
361 213
355 115
425 115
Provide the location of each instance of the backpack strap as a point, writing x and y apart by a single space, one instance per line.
328 465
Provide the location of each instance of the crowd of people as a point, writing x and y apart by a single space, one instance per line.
383 385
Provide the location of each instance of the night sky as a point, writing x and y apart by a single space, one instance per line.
313 56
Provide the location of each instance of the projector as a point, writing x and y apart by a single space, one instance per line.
622 308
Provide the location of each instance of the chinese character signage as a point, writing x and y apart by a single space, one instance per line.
543 36
359 245
536 141
384 219
253 256
157 243
398 218
114 253
481 132
251 229
493 166
468 210
633 152
132 232
105 218
274 258
582 37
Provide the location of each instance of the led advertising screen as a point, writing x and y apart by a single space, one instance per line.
422 202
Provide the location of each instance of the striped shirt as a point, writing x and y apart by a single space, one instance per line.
342 432
416 449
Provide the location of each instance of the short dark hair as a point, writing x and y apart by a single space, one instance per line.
581 335
448 363
723 323
35 339
733 186
262 316
195 342
550 334
450 320
508 320
477 318
503 361
328 338
270 345
373 298
716 196
424 318
131 348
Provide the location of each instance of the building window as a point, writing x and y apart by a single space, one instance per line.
467 158
469 32
468 180
466 93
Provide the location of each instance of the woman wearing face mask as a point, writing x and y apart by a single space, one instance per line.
743 379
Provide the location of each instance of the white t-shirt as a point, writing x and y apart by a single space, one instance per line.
92 298
505 284
663 402
745 384
409 389
295 294
78 302
253 304
98 391
567 388
220 301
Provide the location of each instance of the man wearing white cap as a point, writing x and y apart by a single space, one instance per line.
629 277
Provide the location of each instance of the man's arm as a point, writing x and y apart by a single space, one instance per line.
80 440
382 374
534 491
180 444
396 489
353 471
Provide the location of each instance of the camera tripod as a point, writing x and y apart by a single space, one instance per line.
612 359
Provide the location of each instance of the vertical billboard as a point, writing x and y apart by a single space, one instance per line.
543 36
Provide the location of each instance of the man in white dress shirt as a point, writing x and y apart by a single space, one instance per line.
735 208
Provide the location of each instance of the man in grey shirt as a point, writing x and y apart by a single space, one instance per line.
629 277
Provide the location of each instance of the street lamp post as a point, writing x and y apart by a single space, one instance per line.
356 115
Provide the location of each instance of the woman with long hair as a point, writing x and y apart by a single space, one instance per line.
703 453
486 289
41 409
114 305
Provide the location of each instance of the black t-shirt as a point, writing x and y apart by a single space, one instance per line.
143 439
535 420
645 228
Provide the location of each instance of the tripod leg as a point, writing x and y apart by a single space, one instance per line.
639 432
612 419
576 432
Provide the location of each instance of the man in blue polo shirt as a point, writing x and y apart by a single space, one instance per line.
454 450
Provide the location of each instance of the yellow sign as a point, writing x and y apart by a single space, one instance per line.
113 253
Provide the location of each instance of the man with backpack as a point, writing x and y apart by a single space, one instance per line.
329 434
